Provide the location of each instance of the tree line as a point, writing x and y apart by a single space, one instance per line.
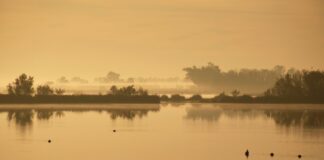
293 87
23 86
210 78
21 90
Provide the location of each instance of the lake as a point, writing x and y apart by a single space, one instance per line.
161 131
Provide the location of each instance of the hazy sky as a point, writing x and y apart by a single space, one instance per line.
87 38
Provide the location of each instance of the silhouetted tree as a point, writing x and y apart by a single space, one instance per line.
164 98
22 86
63 80
79 80
177 98
314 83
222 97
110 77
114 90
235 93
130 80
59 91
306 85
44 90
113 76
196 98
210 77
128 91
291 85
142 92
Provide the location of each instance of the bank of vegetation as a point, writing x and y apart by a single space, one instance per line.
294 87
22 91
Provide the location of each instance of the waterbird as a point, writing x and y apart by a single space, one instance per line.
114 130
247 153
49 141
299 156
271 154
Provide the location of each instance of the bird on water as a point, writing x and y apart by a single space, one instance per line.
247 153
299 156
271 154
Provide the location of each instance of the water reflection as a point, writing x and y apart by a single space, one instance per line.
23 117
203 113
298 117
301 118
128 114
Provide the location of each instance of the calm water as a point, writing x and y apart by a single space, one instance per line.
166 131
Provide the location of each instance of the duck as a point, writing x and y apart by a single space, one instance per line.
247 153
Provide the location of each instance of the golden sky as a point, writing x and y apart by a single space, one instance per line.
88 38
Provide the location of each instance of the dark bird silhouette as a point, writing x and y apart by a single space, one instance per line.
271 154
49 141
299 156
247 153
114 130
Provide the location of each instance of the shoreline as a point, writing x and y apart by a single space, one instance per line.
147 99
79 99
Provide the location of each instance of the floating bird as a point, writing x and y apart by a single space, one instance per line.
271 154
49 141
114 130
299 156
247 153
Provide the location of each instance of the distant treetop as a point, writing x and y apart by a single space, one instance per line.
22 86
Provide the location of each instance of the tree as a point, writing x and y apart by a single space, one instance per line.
314 83
177 98
127 91
59 91
164 98
113 77
306 84
291 85
63 80
22 86
44 90
196 98
210 77
142 92
235 93
114 90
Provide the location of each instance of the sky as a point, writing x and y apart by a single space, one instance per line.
156 38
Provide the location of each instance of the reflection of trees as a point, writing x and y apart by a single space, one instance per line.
284 118
59 114
22 118
299 118
242 113
207 114
127 114
44 114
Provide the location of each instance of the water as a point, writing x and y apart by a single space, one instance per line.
165 131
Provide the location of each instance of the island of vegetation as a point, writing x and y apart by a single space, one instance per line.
22 91
297 87
293 87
